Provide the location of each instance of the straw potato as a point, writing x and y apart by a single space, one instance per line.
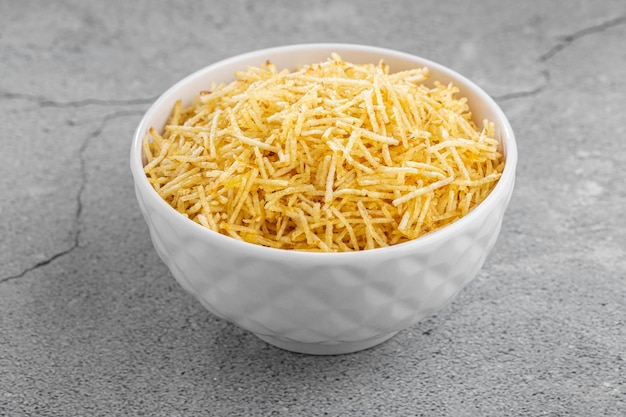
333 156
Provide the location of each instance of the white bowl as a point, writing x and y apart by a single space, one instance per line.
323 303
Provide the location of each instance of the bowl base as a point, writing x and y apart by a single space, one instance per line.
325 349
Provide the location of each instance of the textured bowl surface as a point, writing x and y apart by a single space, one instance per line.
323 303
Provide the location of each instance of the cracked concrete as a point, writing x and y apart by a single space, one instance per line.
92 323
82 174
566 41
47 102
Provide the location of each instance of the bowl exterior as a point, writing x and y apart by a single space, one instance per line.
311 302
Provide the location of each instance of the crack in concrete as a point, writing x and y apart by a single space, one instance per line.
82 169
527 93
46 102
566 41
97 102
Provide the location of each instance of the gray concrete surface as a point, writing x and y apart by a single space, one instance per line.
92 323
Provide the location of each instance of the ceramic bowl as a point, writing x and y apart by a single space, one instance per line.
323 303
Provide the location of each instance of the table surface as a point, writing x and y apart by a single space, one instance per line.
93 324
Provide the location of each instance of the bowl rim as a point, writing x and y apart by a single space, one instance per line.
507 178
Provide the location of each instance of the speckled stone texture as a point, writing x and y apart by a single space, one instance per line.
93 324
